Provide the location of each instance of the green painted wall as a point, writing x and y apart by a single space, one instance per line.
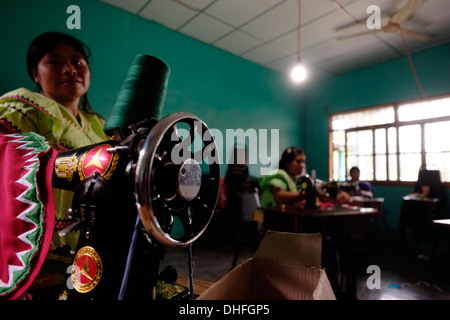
384 83
225 91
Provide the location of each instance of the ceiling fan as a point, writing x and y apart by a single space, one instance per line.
394 24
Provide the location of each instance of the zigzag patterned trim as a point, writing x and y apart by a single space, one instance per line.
9 126
32 103
33 210
28 101
62 223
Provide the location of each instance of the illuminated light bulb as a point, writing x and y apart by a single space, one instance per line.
299 73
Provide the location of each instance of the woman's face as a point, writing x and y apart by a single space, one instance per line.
63 74
296 166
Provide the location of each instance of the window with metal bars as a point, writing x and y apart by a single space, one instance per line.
391 143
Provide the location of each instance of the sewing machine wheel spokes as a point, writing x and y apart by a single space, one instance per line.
177 180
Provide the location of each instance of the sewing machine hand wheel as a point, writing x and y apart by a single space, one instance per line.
177 179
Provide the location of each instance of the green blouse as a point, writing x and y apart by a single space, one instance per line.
25 111
277 178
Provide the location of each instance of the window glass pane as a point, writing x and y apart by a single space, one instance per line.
437 136
380 155
392 140
424 110
393 174
410 165
360 142
380 165
380 141
409 139
363 118
335 165
339 140
365 165
366 168
339 165
392 151
340 122
439 161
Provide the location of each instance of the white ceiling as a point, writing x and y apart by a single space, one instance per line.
265 31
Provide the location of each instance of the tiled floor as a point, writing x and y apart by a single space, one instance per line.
408 275
404 274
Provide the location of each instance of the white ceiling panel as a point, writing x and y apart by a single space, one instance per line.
281 19
361 52
205 28
133 6
265 54
313 10
265 31
285 63
168 13
287 43
197 5
237 42
239 12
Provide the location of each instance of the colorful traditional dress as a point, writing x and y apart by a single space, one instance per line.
23 111
26 212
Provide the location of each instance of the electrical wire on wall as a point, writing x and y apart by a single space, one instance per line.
416 77
405 47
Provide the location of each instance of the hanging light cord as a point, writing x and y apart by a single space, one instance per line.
413 69
408 55
298 29
347 12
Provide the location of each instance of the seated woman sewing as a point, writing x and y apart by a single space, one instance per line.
280 185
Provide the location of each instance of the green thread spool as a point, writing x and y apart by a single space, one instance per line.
142 94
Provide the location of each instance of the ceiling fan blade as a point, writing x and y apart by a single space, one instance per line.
413 34
362 25
404 13
358 34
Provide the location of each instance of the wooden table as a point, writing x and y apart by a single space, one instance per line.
294 218
376 203
417 213
442 227
445 223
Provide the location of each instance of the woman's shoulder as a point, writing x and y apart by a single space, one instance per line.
19 110
18 93
275 175
27 97
19 100
28 100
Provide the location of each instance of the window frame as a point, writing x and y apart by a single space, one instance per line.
396 124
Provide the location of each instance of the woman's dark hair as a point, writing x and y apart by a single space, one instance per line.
288 156
45 43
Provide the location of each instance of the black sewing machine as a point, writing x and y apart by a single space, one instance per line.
145 189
